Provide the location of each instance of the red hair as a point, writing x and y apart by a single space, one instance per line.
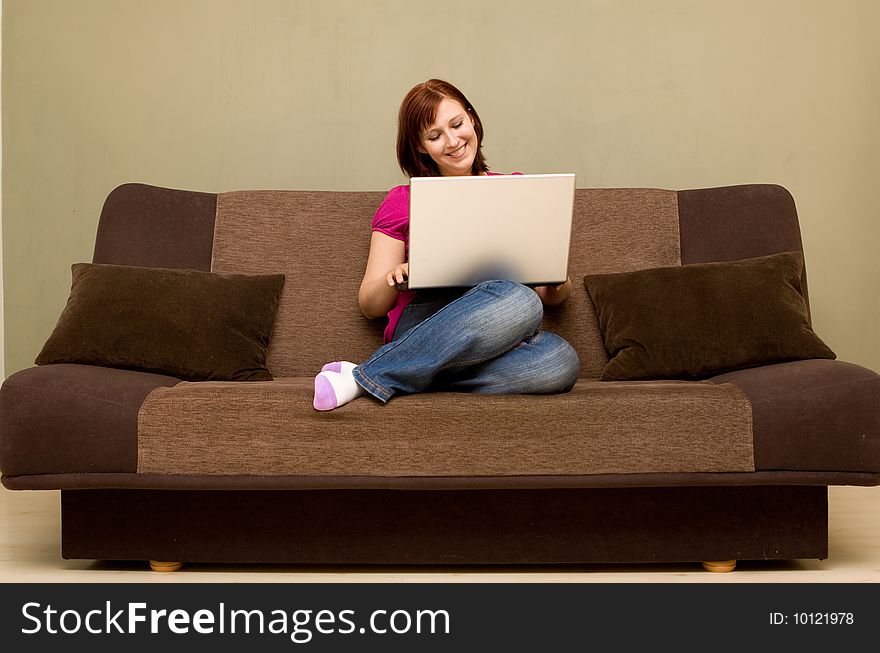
417 112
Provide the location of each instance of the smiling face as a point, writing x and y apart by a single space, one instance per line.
451 140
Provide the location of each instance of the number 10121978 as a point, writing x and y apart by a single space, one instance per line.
812 618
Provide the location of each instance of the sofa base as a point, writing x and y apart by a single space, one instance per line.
553 526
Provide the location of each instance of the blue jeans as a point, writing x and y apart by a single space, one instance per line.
485 340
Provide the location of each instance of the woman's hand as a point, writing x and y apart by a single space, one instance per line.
397 275
553 295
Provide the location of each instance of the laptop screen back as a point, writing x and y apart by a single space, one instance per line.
463 230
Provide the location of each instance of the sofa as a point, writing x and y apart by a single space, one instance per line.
708 467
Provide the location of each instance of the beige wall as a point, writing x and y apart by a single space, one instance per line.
218 95
2 337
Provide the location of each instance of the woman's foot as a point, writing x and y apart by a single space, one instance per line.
335 386
338 366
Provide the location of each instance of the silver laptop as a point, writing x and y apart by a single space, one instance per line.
463 230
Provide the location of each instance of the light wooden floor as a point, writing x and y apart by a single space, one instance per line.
30 552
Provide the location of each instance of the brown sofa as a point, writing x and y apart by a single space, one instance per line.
730 467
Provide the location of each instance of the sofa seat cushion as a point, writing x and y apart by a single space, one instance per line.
813 415
816 416
270 428
59 419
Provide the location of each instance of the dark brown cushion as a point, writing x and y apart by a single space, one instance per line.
812 415
73 419
691 321
189 324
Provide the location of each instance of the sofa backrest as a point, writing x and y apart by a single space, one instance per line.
320 241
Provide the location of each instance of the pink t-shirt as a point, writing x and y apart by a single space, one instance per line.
392 219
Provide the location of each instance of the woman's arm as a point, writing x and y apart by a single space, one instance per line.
553 295
377 295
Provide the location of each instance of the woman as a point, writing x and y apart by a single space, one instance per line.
483 339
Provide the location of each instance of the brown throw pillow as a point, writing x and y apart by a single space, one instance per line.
198 326
697 320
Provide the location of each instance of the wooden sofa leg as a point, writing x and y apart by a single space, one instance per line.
156 565
722 566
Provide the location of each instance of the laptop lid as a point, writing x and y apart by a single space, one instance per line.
463 230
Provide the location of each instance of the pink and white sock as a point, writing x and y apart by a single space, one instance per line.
338 366
335 388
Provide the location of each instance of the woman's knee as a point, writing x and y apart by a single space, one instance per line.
518 306
560 363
